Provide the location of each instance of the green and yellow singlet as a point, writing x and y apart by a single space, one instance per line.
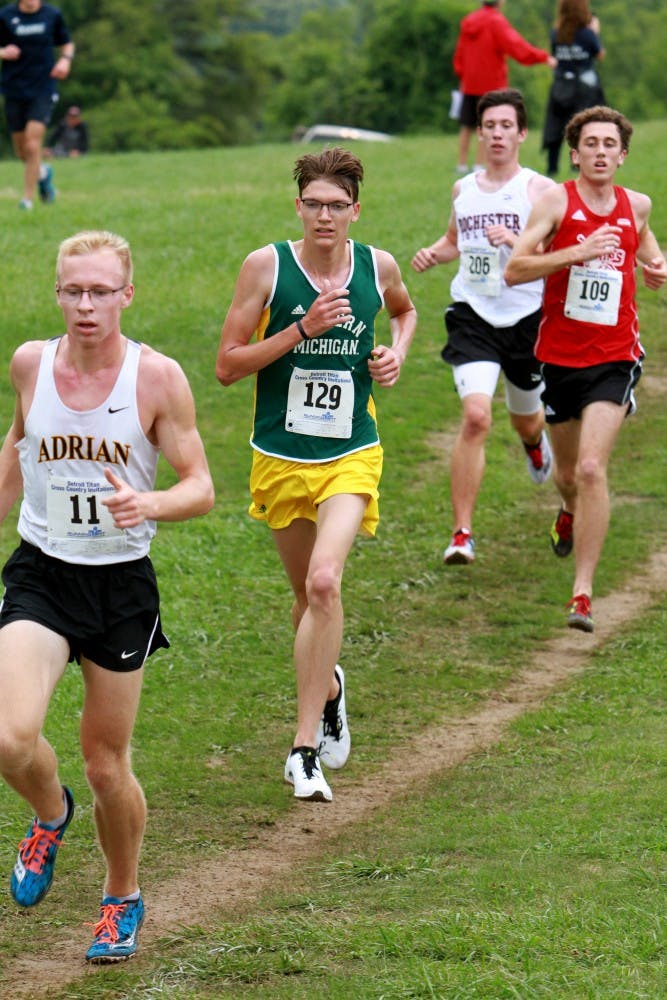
315 403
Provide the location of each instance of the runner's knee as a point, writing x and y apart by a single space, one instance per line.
106 770
591 471
323 587
477 421
18 743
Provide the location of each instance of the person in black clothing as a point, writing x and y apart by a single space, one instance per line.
70 136
575 42
29 32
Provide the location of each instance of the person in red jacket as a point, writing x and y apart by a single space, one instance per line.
486 39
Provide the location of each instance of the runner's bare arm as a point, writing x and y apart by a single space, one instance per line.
23 374
237 357
385 367
499 235
528 263
166 404
649 253
11 481
442 251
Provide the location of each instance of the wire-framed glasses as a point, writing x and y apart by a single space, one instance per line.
98 295
335 207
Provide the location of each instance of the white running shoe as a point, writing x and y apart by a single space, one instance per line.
333 733
302 769
461 549
539 459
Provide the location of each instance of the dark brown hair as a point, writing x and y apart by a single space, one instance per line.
571 15
493 98
599 113
336 165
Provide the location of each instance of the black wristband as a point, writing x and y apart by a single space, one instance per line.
299 326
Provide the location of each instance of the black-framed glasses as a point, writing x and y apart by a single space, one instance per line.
335 207
98 296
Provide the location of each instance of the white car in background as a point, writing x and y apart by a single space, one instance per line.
322 133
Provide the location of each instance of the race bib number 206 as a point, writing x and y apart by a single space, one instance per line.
481 270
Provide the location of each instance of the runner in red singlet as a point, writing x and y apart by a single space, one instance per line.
594 233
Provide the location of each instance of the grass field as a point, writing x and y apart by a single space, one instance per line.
536 869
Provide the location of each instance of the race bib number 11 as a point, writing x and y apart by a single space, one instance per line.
78 523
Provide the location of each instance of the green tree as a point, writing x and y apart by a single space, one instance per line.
383 65
127 77
408 55
633 72
164 73
231 67
320 74
280 17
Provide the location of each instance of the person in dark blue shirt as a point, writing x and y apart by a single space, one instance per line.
576 45
30 31
70 136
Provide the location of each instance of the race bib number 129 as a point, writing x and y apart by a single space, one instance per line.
320 403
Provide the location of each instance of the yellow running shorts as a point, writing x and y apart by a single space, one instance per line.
282 490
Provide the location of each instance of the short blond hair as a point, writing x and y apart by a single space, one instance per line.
92 241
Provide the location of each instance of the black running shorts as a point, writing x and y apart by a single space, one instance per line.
20 111
109 614
471 338
468 112
568 390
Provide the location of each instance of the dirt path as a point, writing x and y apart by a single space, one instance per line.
234 882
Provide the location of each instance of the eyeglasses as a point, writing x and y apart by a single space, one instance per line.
335 207
98 296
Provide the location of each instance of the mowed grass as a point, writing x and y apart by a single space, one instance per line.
534 870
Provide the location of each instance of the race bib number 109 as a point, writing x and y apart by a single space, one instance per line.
593 295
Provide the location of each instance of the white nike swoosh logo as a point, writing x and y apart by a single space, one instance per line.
126 656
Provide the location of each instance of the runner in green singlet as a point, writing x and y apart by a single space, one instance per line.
310 306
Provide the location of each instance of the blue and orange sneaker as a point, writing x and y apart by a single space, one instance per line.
33 871
116 931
